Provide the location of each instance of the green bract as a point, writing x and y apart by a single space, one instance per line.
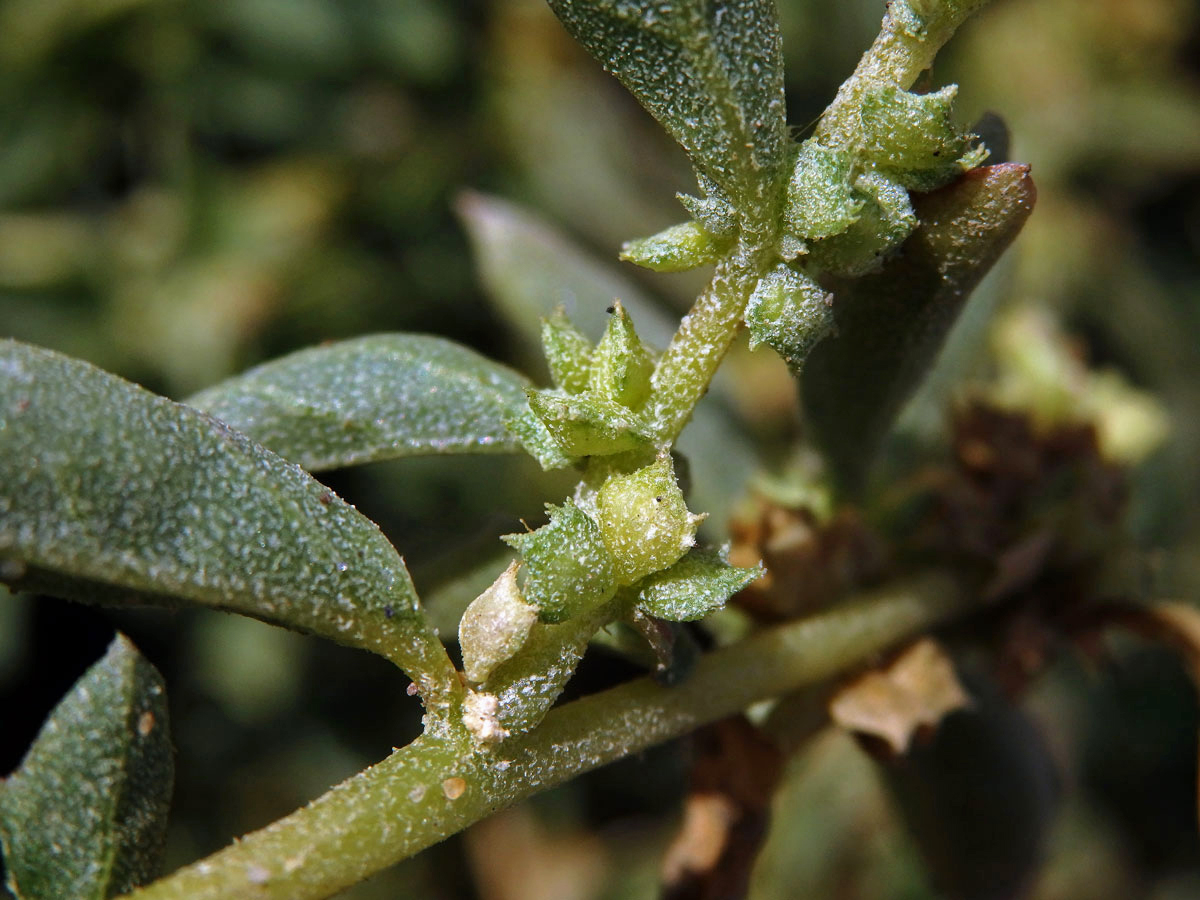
621 363
699 584
885 220
676 249
568 352
912 138
821 200
790 313
588 425
568 568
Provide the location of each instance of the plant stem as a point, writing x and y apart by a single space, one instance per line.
896 58
690 361
437 786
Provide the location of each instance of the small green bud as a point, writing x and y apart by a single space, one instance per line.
494 626
790 313
568 352
587 425
622 364
887 219
912 138
820 200
676 249
568 568
644 520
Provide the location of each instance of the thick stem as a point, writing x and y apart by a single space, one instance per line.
437 786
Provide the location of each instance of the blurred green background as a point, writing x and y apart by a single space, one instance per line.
188 187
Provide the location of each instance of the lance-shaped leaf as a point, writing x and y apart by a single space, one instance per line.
528 269
85 815
710 71
892 324
109 493
372 398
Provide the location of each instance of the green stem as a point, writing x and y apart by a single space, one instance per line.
437 786
690 361
900 53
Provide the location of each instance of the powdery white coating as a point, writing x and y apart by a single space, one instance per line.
711 73
480 717
372 398
86 812
110 493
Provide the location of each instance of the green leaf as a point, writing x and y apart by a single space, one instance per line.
710 71
372 398
790 313
587 425
85 814
567 569
109 493
891 325
529 268
700 583
675 249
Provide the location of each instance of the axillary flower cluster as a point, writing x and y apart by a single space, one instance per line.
785 223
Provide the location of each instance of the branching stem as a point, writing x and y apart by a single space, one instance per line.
435 787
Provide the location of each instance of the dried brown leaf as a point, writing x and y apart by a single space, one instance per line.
913 692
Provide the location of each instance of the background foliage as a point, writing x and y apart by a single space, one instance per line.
188 187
